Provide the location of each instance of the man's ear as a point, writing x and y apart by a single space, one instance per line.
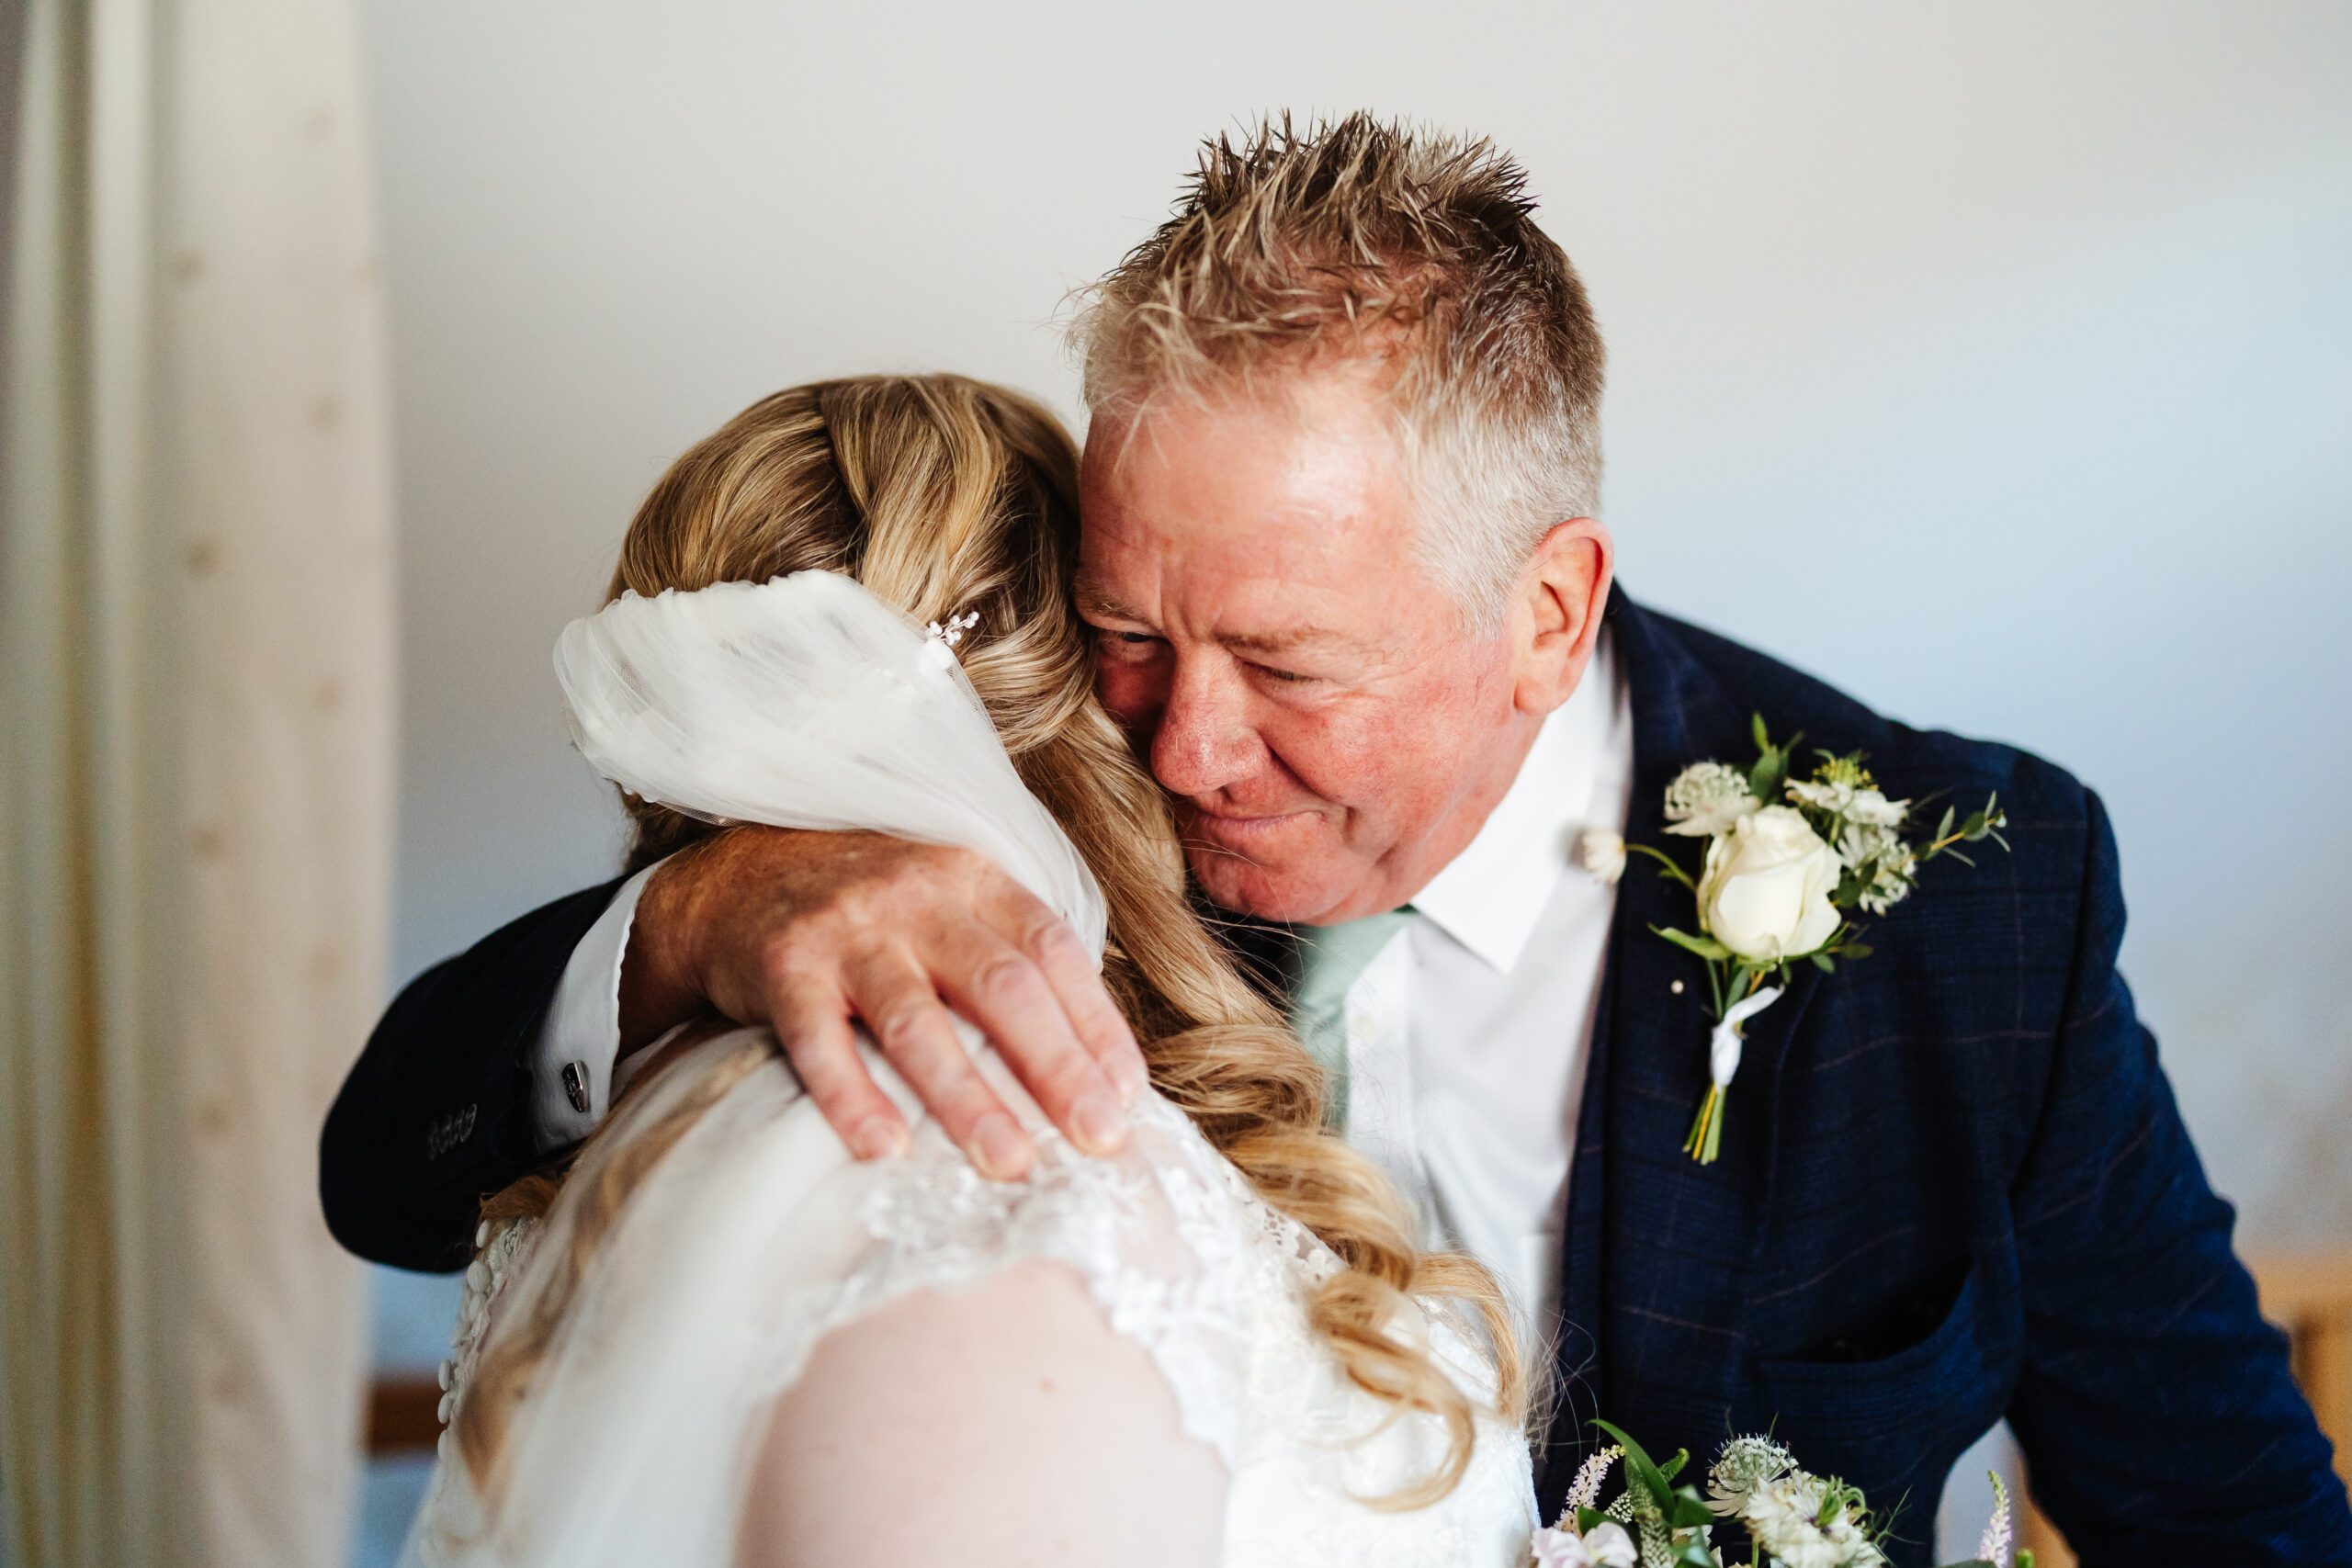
1556 611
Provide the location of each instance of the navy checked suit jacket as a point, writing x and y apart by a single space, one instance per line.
1953 1183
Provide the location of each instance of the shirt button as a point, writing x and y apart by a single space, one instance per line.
1362 1026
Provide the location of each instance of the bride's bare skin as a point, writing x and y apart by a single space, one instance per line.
1006 1426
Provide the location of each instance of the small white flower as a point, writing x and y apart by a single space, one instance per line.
1584 1491
1874 810
1602 853
1706 798
1784 1517
1744 1464
1995 1547
1833 798
1607 1547
1890 884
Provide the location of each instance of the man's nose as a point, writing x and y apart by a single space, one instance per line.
1205 740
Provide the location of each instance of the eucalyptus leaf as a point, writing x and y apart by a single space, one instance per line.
1822 962
1854 950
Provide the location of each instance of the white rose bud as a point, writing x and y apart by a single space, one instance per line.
1765 892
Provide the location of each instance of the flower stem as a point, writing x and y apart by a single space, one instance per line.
1707 1133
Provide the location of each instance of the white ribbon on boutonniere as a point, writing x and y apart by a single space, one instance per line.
1723 1046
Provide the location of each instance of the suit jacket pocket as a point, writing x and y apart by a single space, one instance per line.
1898 1422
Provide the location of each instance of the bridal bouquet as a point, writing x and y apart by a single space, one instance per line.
1788 861
1793 1518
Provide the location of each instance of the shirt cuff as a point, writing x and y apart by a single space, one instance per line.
571 1061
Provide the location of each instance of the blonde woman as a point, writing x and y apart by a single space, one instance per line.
716 1337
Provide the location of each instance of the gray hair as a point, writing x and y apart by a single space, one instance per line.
1361 240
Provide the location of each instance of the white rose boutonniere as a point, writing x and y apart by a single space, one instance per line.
1765 891
1779 879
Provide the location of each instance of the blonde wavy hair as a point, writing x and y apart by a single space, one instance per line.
945 495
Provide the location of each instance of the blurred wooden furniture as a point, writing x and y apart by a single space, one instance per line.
403 1415
2309 1295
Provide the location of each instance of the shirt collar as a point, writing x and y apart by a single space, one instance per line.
1491 897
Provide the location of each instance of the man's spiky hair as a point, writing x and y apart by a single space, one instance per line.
1355 240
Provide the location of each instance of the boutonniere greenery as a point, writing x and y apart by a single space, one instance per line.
1789 864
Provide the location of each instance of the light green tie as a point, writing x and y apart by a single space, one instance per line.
1329 960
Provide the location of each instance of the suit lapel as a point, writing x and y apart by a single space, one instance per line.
1660 1250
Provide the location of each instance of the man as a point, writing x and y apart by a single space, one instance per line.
1339 546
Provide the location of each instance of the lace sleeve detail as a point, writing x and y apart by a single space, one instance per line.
496 1247
1164 1243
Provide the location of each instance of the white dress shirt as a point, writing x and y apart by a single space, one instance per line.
1468 1033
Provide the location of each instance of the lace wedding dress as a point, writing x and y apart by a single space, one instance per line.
805 702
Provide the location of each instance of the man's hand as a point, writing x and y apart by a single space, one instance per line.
809 932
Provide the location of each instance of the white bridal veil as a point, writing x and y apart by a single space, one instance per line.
805 702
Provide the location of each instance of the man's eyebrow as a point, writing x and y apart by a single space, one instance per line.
1282 642
1091 602
1102 607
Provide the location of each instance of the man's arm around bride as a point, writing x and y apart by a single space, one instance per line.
1347 597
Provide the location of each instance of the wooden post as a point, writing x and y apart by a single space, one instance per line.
2309 1296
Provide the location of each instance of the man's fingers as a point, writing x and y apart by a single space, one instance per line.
903 1011
823 1048
1007 993
1085 1000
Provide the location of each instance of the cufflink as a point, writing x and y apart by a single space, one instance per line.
575 1085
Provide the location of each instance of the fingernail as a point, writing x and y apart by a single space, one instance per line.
877 1139
1128 1076
999 1150
1099 1123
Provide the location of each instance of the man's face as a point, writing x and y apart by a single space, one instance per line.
1266 628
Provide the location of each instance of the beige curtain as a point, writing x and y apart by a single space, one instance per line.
195 702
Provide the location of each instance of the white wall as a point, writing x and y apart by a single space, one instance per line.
1990 360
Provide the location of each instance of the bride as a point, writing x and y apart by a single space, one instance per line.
715 1338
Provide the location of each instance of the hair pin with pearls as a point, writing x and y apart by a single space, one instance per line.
951 630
